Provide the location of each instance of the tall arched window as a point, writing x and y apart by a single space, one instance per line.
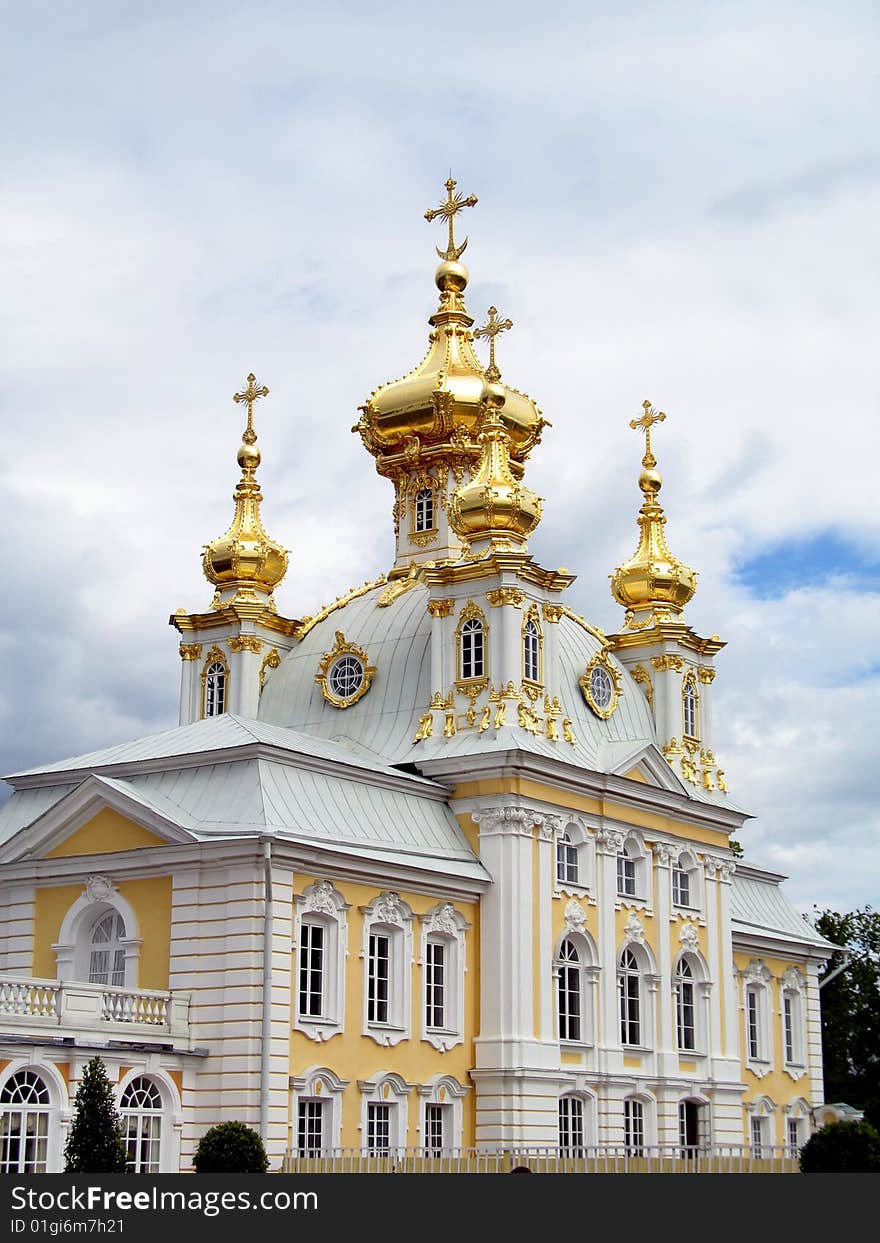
629 991
473 662
106 950
570 992
571 1126
140 1109
215 689
689 708
531 651
685 1010
424 509
24 1124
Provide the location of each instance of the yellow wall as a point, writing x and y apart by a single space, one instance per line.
107 832
354 1056
150 898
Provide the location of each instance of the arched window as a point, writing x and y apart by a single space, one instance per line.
634 1126
106 950
571 1126
570 989
567 872
685 1009
689 707
140 1109
24 1124
215 689
424 509
531 651
473 662
629 991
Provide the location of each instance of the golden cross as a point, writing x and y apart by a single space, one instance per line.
491 329
449 210
250 395
646 422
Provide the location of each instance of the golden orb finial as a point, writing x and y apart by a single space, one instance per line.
246 557
652 581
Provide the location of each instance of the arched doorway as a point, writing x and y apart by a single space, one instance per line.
690 1127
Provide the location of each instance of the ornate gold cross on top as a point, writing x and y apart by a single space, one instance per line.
449 210
491 329
250 395
646 422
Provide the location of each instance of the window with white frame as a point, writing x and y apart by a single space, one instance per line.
316 1111
388 963
472 649
436 1127
107 950
569 992
685 1007
435 982
757 1015
25 1105
632 879
320 933
424 509
793 1018
384 1112
629 991
759 1135
681 886
571 1126
795 1135
531 651
567 863
634 1126
141 1111
626 876
689 700
753 1023
311 1127
441 1114
215 689
378 1128
443 965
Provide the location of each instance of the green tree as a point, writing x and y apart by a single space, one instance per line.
230 1148
842 1148
94 1143
851 1009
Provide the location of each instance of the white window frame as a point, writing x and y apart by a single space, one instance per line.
792 1009
701 986
73 948
648 981
582 844
532 650
686 863
446 1092
587 973
216 673
322 904
635 1125
139 1114
756 984
318 1083
443 924
388 915
46 1112
471 654
684 985
633 854
424 507
386 1088
571 1136
797 1114
567 861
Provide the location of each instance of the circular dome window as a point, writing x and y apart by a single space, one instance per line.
601 685
344 674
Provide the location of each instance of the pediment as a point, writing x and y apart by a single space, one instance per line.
99 816
643 762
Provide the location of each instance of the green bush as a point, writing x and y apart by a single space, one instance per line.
842 1148
94 1142
230 1148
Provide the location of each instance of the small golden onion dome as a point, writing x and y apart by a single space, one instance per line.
246 557
494 506
652 579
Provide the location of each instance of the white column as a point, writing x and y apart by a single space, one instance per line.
813 1022
728 979
714 1034
667 1052
608 846
548 827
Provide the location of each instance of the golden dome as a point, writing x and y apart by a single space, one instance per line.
245 558
652 580
434 411
494 507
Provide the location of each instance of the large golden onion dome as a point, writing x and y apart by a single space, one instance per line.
653 583
434 411
494 508
245 560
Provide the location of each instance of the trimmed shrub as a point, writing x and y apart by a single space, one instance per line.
230 1148
842 1148
94 1142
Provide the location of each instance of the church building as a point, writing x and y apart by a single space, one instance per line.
440 868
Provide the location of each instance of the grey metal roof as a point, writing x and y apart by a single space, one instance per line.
759 907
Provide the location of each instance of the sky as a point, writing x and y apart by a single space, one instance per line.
677 201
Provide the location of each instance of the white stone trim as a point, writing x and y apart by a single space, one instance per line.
388 914
172 1116
445 924
318 1083
321 903
73 949
443 1090
387 1088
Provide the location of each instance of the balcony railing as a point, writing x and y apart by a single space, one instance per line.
600 1159
74 1004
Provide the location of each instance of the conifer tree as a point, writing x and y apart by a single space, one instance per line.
94 1143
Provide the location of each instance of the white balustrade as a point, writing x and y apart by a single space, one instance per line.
77 1004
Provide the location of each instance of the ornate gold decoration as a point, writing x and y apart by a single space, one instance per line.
449 727
506 595
719 777
640 674
567 732
689 680
190 651
653 579
245 643
422 539
472 610
706 676
308 623
672 750
472 687
270 661
439 704
532 690
245 557
449 209
343 648
528 718
499 715
485 719
552 612
708 783
426 727
671 660
601 660
398 587
491 329
494 507
654 618
688 770
440 608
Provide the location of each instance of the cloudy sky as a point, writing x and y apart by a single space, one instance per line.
678 201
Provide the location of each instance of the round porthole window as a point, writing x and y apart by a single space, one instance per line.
346 677
345 673
600 685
